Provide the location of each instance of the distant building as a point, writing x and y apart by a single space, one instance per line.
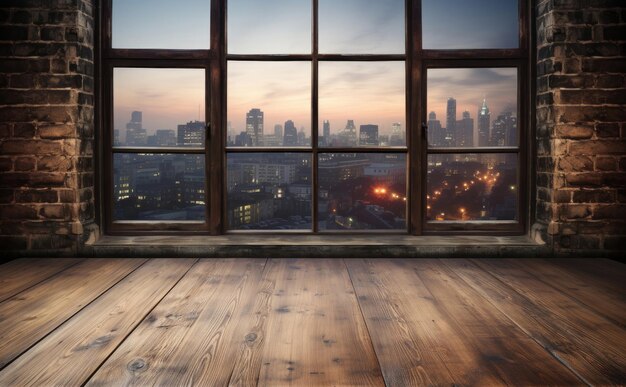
450 122
398 136
278 132
504 130
465 131
191 134
254 126
484 122
291 134
436 134
368 135
326 133
136 135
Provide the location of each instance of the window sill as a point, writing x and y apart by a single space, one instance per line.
321 246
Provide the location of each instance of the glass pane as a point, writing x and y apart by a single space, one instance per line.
165 24
269 104
269 27
269 191
472 107
464 187
362 104
361 26
362 191
463 24
158 107
158 187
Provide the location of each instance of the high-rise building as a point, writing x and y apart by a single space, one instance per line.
165 137
254 126
348 135
291 134
326 132
504 130
136 135
278 131
368 135
436 134
191 134
465 131
484 123
450 123
398 137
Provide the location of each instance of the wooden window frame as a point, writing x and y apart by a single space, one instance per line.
214 61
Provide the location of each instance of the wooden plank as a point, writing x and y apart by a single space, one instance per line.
21 274
71 353
315 332
604 272
586 289
252 327
33 313
187 339
429 327
572 334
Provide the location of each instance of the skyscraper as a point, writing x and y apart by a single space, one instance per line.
484 122
368 135
397 135
191 133
291 134
278 131
135 134
254 126
436 135
504 130
326 133
465 131
450 123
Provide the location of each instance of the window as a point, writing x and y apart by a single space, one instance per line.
246 116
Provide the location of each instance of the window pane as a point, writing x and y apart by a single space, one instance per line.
472 187
269 27
158 187
362 191
361 27
464 24
158 107
362 104
166 24
472 107
269 104
269 191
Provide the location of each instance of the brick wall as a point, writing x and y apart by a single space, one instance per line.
46 125
581 125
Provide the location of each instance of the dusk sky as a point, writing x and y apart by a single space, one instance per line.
367 93
469 87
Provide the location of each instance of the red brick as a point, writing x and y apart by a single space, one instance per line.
574 131
597 147
17 211
31 147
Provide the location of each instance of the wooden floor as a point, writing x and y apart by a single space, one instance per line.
218 322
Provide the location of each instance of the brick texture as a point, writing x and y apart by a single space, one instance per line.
46 118
581 125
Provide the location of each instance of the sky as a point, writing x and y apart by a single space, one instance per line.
372 92
469 86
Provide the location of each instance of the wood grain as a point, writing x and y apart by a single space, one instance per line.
587 344
187 339
251 331
35 312
315 332
592 292
23 273
429 327
71 353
